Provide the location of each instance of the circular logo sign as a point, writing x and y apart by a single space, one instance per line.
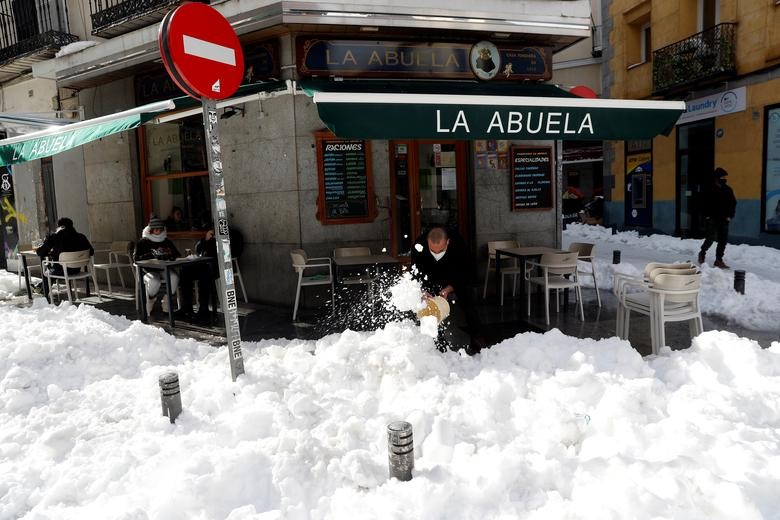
485 60
201 51
728 101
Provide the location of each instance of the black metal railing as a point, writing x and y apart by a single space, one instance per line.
710 54
109 16
27 26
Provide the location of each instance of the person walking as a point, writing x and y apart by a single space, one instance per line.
719 208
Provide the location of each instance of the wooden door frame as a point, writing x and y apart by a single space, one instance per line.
413 165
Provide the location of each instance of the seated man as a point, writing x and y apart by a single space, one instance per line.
64 240
442 264
204 275
155 244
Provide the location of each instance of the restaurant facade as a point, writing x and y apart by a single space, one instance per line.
353 127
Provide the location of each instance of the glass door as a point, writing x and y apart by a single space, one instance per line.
428 188
695 164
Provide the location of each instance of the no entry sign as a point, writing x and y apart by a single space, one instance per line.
201 51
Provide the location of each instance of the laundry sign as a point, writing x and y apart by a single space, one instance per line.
721 104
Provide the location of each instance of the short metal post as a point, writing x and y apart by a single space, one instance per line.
614 230
170 395
616 256
400 450
739 281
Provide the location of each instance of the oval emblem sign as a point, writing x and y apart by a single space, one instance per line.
485 60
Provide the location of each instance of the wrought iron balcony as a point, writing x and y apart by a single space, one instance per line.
31 31
703 58
114 17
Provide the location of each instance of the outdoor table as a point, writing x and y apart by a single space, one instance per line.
161 265
523 254
24 255
364 261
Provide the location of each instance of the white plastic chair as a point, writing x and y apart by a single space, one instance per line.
118 249
558 271
621 282
238 278
505 271
71 260
585 264
670 295
35 266
301 262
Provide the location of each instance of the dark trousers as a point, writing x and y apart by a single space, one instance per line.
716 232
201 274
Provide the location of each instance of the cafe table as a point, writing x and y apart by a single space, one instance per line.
363 263
24 255
523 254
164 266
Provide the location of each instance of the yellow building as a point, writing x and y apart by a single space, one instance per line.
723 58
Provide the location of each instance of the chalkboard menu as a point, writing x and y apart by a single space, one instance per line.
346 188
531 177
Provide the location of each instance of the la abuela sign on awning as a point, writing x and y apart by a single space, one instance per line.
425 116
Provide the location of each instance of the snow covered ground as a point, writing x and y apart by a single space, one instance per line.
537 427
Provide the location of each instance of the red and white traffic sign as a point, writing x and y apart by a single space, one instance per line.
201 51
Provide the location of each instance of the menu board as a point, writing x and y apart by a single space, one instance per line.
345 181
531 177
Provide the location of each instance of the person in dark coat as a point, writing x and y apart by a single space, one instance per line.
155 244
719 208
203 274
64 240
441 260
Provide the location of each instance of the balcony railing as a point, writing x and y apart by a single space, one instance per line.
114 17
704 57
31 30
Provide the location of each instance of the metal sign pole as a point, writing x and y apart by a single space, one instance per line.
227 289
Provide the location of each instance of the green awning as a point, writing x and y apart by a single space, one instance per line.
464 110
51 141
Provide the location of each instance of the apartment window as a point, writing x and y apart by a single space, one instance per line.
708 14
638 42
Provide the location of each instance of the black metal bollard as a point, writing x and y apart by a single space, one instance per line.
616 256
170 395
400 450
739 281
614 230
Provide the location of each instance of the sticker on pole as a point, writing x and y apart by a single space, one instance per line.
201 51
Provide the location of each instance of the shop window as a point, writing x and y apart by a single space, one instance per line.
175 176
771 181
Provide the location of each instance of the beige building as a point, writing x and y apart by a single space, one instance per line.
723 58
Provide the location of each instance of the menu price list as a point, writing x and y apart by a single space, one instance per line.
346 186
531 178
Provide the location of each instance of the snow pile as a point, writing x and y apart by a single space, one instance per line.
9 284
539 427
74 47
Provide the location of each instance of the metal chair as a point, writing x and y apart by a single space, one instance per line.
491 248
301 262
71 260
118 249
30 267
584 252
559 271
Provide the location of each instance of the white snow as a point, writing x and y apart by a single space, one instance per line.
74 47
538 427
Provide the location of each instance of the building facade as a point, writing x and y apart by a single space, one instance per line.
723 58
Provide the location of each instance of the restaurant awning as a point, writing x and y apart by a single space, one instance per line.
384 109
51 141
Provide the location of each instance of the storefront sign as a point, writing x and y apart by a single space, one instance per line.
724 103
531 177
344 181
423 60
639 189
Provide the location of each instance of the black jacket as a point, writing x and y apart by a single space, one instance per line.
720 203
147 249
453 268
65 240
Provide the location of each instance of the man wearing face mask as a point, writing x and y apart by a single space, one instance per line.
719 209
441 260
